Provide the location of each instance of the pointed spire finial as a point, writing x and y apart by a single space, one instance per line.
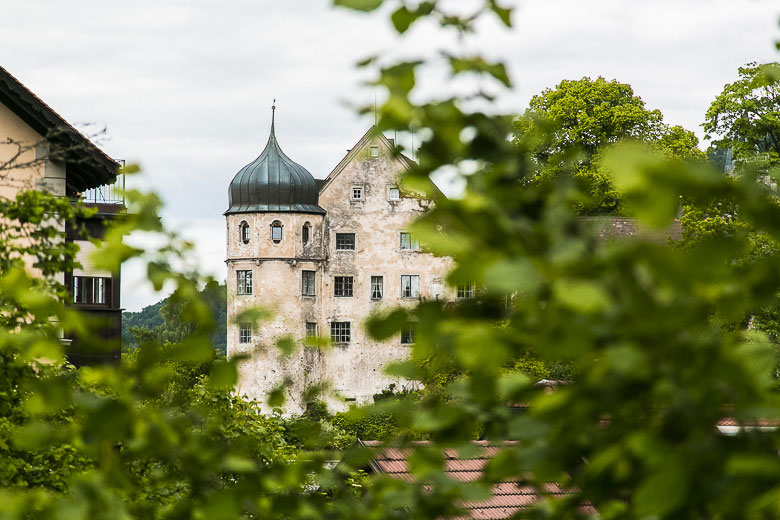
273 115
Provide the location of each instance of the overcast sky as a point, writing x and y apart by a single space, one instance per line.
184 87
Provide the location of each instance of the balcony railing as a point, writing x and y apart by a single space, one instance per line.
106 194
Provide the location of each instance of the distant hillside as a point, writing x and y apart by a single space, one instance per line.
152 319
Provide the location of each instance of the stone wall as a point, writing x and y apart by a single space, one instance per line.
353 370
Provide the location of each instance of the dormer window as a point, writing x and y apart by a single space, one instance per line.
276 231
374 151
305 232
243 232
357 193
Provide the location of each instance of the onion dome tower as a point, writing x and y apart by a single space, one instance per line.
274 260
273 183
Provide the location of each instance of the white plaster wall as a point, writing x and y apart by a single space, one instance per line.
355 370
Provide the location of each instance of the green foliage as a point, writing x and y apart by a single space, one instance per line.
162 322
567 129
746 114
654 330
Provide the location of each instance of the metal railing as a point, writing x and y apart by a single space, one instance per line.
107 193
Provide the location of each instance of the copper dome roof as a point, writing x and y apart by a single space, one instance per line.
273 183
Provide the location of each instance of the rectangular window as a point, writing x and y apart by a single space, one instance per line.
89 289
311 330
340 332
410 286
357 193
407 334
393 194
244 282
98 290
345 241
377 287
408 242
307 283
342 286
245 333
374 151
466 291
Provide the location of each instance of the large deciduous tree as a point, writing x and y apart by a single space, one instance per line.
746 114
579 119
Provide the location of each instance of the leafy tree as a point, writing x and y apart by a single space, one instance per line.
579 120
746 114
162 321
635 434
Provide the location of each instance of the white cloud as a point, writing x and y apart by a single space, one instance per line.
185 86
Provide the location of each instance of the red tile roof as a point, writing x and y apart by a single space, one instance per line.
509 498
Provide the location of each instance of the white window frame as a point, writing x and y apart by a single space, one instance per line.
407 242
245 333
374 151
341 332
410 286
276 224
354 242
377 287
244 286
243 232
390 193
356 190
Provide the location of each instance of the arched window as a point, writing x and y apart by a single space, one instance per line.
305 233
243 232
276 231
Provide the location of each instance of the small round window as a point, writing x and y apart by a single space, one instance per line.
243 232
276 231
305 233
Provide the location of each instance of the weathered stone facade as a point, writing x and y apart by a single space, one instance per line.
376 214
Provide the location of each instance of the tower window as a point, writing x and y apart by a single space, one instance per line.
311 330
466 291
407 334
357 193
244 279
408 242
410 286
243 232
244 332
276 231
340 332
345 241
307 283
374 151
342 286
393 193
305 232
377 287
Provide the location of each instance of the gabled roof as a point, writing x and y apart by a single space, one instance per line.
372 132
509 498
87 166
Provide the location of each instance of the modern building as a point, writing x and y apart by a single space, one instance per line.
323 255
39 150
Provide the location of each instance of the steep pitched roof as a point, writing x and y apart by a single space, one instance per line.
509 498
87 165
370 133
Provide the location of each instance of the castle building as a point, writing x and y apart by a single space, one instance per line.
323 255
